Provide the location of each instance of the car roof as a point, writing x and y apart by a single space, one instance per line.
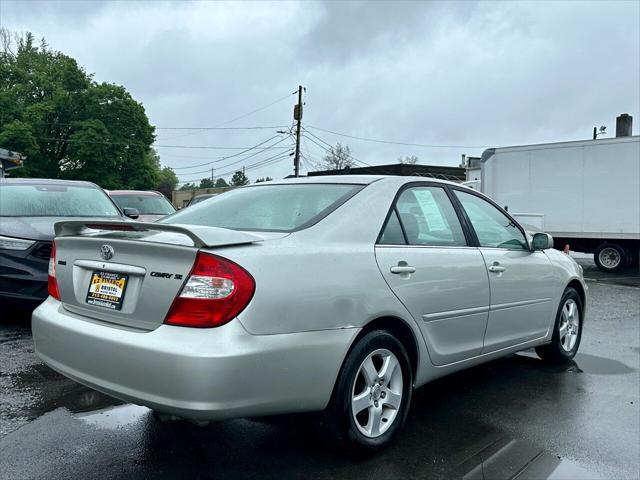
132 192
46 181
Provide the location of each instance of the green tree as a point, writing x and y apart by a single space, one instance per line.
167 182
206 183
67 124
338 157
261 179
239 179
189 186
408 160
221 182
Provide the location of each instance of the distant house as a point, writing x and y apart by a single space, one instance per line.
9 160
182 198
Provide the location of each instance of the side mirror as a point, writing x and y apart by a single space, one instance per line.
542 241
131 212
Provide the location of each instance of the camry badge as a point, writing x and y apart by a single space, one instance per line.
106 252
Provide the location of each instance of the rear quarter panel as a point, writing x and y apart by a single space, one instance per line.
326 276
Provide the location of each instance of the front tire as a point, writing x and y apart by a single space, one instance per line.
372 396
567 330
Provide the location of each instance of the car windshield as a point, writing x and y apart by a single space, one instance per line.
54 200
277 208
145 204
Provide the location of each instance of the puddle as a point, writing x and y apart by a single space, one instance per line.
593 364
582 363
115 417
38 390
509 458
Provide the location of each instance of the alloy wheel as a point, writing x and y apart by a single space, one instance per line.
569 325
377 393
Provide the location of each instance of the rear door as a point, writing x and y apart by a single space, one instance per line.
426 259
522 281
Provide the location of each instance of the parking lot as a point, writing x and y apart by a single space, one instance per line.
512 417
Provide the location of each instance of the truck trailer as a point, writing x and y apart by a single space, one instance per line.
586 194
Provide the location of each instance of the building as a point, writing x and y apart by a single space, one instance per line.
455 174
9 160
181 198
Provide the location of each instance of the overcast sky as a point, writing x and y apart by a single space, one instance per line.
460 74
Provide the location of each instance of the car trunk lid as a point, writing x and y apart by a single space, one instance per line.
145 265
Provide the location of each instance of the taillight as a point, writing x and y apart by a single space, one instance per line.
52 283
216 291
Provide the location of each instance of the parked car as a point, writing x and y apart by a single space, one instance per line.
336 294
28 210
199 198
150 205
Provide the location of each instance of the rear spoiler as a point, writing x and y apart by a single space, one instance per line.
200 235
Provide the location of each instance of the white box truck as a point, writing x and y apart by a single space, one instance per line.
585 193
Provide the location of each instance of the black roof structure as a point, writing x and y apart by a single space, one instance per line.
454 174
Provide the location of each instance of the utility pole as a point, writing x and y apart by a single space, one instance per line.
297 115
212 183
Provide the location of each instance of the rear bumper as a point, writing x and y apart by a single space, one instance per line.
213 374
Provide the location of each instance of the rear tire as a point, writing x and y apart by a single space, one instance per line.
610 257
567 330
372 395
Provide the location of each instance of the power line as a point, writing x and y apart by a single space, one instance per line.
223 128
129 144
256 110
261 163
318 138
260 150
330 151
259 127
394 142
229 164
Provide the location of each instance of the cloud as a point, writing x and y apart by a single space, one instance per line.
454 73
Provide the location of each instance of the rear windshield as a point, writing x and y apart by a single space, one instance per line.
34 200
277 208
145 204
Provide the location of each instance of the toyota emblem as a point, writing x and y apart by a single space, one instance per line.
106 252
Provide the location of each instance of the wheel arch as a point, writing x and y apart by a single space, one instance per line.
401 330
578 287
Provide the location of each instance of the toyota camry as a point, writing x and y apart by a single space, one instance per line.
325 294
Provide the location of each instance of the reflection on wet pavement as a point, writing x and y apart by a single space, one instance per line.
600 365
506 458
115 417
512 418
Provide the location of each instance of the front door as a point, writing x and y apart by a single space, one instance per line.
426 260
521 281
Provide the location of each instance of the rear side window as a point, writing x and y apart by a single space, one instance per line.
427 217
276 208
392 233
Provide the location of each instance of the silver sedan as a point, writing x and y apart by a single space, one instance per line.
334 294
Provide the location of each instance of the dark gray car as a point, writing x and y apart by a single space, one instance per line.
28 210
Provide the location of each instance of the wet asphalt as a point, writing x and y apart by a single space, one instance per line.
515 417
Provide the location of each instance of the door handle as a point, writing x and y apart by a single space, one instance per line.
496 268
403 269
